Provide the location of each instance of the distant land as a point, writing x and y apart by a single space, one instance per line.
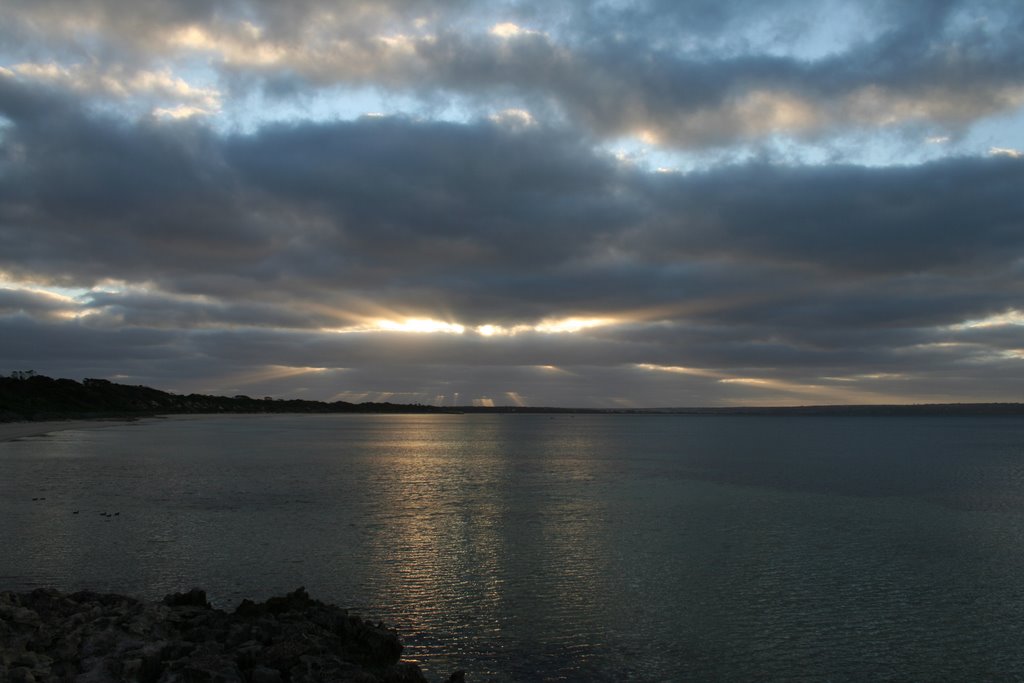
28 396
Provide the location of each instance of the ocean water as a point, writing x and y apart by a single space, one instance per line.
562 548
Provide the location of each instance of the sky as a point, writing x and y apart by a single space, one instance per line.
517 202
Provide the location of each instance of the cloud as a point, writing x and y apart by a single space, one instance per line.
419 210
613 70
20 301
121 83
472 252
1006 151
847 218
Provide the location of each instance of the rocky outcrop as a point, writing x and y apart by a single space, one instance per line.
87 637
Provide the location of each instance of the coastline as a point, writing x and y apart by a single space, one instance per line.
20 429
11 431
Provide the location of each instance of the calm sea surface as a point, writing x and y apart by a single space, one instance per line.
528 548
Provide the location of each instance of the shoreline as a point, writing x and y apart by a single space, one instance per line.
21 429
12 431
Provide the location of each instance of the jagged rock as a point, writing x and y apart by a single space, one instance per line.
101 638
402 672
262 674
20 674
193 598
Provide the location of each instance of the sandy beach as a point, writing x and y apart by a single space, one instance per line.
10 431
17 430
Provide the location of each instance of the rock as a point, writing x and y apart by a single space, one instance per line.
26 659
204 666
262 674
297 600
131 668
89 637
248 654
403 672
21 616
193 598
20 674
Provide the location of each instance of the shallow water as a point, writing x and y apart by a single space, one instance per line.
535 547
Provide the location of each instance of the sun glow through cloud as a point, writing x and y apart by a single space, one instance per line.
1012 317
1006 152
786 392
552 326
420 326
565 325
679 370
508 29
